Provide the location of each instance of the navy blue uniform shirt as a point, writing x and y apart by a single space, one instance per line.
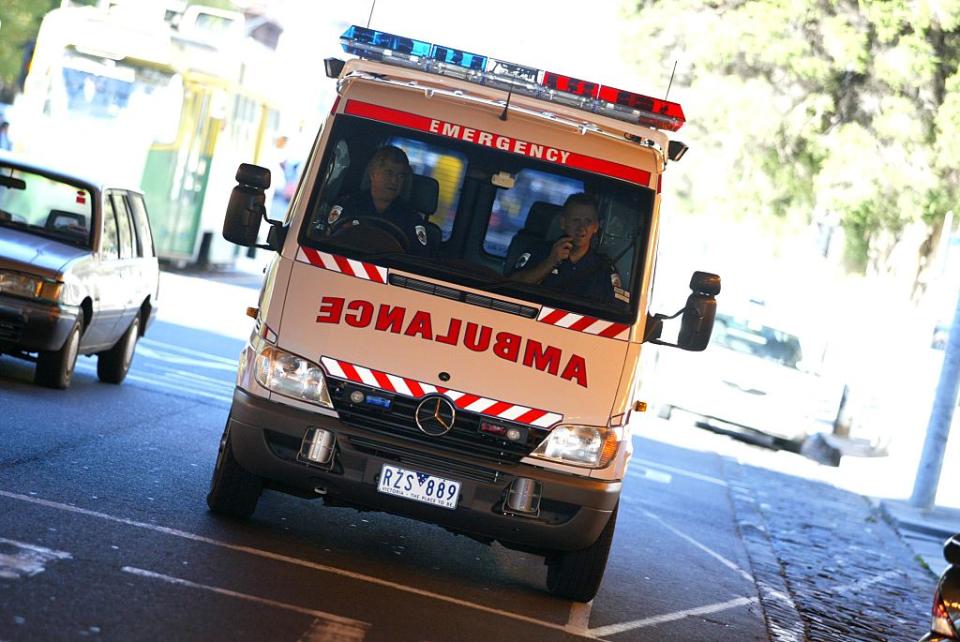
592 278
400 213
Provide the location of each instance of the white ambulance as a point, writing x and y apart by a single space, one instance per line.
451 327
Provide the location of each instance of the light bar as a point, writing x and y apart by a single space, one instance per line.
544 85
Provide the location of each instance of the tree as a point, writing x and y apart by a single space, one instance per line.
839 108
19 23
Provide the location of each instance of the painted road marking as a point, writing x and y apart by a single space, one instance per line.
706 549
323 631
277 557
681 472
613 629
345 622
579 620
650 474
19 559
207 357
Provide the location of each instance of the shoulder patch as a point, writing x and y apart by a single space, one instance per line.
421 234
334 214
615 279
522 260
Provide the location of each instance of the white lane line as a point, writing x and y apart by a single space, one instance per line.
322 631
206 356
277 557
681 472
178 360
579 620
706 549
197 378
19 559
185 391
320 615
864 583
641 472
613 629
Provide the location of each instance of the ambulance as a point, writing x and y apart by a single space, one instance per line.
414 372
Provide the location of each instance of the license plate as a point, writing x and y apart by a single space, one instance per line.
419 487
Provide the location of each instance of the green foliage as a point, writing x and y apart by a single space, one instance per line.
19 22
842 109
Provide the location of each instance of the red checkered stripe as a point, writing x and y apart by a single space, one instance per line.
582 323
335 263
416 389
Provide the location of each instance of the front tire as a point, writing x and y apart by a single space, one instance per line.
576 575
233 490
113 364
55 369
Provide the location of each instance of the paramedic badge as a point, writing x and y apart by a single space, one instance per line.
421 234
334 214
615 280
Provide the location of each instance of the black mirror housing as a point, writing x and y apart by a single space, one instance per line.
246 207
332 67
696 325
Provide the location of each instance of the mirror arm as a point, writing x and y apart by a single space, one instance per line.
661 318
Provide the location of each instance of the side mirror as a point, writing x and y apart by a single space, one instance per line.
696 325
246 208
699 313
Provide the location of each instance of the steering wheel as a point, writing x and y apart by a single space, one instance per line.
375 230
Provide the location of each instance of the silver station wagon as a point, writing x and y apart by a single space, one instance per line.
78 271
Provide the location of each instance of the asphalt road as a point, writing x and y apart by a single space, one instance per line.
104 533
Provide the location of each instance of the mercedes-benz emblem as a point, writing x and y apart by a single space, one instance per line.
435 415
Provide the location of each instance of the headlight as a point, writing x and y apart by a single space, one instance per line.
29 287
591 446
292 376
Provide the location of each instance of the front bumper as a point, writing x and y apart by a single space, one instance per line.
266 439
30 326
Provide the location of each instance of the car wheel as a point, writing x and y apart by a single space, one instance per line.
576 575
55 368
233 490
113 364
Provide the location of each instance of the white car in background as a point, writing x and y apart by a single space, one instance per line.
756 379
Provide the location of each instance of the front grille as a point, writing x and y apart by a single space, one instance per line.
464 438
11 330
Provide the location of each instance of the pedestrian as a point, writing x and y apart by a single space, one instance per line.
5 142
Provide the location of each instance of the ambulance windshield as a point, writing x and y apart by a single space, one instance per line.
522 225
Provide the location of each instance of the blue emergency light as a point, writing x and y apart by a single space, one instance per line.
544 85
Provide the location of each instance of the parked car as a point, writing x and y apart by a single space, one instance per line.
757 378
78 271
945 623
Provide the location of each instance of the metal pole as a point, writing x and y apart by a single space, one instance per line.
928 472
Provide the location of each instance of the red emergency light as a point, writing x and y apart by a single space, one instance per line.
653 111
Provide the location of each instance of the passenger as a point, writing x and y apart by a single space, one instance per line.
388 173
570 263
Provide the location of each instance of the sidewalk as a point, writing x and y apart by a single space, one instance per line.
924 531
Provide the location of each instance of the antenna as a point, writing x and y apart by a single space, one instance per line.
670 84
373 4
503 115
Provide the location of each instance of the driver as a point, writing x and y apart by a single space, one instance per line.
388 173
571 263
